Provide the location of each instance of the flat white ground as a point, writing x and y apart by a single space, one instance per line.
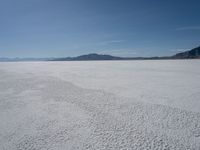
100 105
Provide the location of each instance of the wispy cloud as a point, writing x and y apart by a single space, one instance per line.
120 52
188 28
112 42
179 50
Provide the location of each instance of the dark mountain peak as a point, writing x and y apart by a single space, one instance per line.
193 53
94 56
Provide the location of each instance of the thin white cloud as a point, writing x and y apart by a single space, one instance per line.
179 50
120 52
188 28
115 41
112 42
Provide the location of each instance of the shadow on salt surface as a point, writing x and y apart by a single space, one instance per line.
59 115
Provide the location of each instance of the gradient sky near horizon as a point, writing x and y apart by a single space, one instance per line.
59 28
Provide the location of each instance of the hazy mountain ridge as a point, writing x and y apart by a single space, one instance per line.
194 53
5 59
190 54
92 56
89 57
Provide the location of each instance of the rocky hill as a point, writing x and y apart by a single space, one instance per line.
193 53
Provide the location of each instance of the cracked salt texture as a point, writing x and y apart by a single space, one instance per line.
56 111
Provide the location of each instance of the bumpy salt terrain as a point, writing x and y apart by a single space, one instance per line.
100 105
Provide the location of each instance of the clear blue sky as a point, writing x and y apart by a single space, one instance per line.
58 28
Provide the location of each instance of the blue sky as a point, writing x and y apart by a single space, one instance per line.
58 28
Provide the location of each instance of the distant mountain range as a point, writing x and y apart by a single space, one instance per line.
191 54
94 56
194 53
4 59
